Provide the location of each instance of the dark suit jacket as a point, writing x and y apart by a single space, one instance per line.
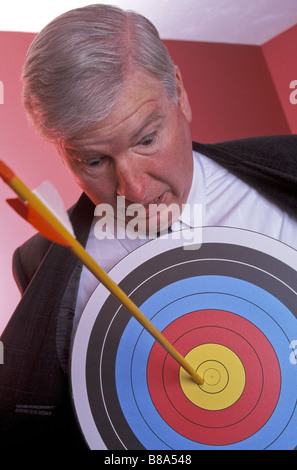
34 388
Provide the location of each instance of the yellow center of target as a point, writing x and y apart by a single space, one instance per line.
223 373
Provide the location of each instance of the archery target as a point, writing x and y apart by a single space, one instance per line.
230 309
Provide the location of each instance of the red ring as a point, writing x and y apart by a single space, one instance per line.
259 397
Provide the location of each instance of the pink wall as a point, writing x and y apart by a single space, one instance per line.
231 90
33 161
233 95
280 54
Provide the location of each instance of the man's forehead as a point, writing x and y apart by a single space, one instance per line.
131 126
140 103
134 129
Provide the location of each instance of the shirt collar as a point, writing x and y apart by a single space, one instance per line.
190 217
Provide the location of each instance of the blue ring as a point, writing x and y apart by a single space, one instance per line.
182 297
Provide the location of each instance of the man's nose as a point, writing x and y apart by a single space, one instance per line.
132 180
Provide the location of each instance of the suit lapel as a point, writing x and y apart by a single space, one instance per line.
81 217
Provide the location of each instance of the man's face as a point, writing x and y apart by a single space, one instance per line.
141 151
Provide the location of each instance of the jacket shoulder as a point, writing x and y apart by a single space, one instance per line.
269 164
274 149
27 258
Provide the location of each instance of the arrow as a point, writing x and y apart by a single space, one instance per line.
57 228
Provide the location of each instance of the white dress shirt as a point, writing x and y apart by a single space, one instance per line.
225 200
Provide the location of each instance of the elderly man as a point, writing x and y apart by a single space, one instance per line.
100 85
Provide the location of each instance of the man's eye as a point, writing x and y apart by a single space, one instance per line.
95 162
92 162
148 139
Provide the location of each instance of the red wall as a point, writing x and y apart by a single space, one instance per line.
233 93
33 161
280 54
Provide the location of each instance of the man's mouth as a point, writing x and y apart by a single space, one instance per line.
154 215
158 200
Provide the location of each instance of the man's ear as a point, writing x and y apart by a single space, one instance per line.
183 100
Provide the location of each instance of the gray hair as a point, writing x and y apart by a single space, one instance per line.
75 67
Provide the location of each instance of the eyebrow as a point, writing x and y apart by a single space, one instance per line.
152 118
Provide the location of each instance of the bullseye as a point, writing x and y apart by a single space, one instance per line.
223 373
212 376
